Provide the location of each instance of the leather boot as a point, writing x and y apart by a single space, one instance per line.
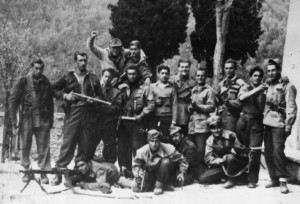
229 183
168 187
44 179
283 187
26 177
57 180
251 185
273 183
158 189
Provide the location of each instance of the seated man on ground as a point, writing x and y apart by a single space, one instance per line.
189 150
219 156
156 165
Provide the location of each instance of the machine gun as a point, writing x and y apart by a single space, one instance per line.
81 96
67 173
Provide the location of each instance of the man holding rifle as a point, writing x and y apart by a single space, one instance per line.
81 116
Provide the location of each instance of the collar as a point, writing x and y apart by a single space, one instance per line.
160 152
228 81
78 76
159 83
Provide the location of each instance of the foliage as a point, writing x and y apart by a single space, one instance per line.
160 25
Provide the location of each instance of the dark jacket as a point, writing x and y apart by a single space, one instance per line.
144 69
21 95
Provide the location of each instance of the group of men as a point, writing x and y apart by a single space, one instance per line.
177 129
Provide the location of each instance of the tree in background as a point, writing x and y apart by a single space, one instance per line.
160 26
236 22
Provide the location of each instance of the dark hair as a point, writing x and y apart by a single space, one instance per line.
256 69
273 62
182 60
38 61
136 43
132 67
110 70
161 67
81 54
232 62
202 69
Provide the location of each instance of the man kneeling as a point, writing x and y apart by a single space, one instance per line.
223 164
156 165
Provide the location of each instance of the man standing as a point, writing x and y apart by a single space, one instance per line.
279 117
34 95
107 128
165 114
202 104
183 84
223 164
138 105
189 150
155 166
250 124
229 106
80 115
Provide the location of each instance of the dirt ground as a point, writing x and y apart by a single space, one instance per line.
11 185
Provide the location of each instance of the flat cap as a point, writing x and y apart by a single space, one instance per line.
214 121
153 134
115 42
174 129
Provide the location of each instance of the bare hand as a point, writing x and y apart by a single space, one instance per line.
94 34
90 101
147 81
224 159
180 178
70 97
262 87
138 118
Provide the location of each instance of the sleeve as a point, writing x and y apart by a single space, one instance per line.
189 154
148 101
209 107
58 88
138 163
116 104
243 90
145 70
177 157
51 105
291 106
15 99
100 182
174 105
210 159
98 51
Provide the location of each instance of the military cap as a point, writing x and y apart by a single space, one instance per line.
274 62
174 129
153 134
214 121
256 69
115 42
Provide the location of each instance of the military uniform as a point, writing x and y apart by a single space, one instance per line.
215 150
80 117
250 127
34 95
139 102
160 166
165 113
183 90
203 103
143 67
279 117
230 108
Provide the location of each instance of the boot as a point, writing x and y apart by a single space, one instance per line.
251 185
273 183
283 187
158 189
169 187
44 179
57 180
26 176
229 183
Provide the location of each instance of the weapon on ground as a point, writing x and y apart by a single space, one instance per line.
65 172
90 98
128 118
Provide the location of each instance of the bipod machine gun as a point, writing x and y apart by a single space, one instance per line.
67 173
81 96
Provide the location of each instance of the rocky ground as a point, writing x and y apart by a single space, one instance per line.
11 185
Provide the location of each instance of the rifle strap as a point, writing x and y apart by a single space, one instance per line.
237 174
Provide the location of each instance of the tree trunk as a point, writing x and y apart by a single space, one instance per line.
222 24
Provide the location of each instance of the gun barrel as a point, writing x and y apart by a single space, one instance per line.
93 99
128 118
52 171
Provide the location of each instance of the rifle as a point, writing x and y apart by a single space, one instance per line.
81 96
128 118
67 173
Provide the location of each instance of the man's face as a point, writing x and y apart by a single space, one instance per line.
229 70
37 70
201 77
154 144
134 50
132 75
272 72
256 78
115 51
81 62
106 78
163 76
184 68
82 167
176 138
216 131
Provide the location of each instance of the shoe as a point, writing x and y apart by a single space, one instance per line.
251 185
15 156
44 179
57 180
128 174
26 178
169 187
229 184
158 189
283 188
272 184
